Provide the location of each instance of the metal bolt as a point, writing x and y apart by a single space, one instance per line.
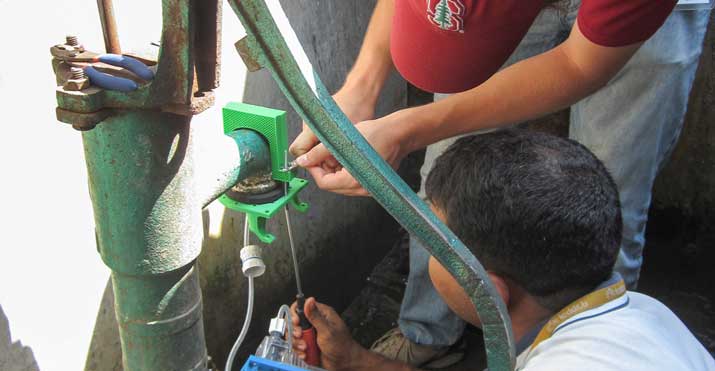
72 40
77 73
77 80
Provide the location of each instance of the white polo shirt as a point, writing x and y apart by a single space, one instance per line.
633 332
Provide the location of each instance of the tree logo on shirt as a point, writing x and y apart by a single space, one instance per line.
446 14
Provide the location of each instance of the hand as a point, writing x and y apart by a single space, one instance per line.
337 347
384 134
356 105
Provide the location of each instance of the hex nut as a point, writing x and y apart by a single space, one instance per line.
76 84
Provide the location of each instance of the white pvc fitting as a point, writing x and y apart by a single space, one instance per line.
253 265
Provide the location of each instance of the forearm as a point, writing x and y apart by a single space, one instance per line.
374 62
529 89
524 91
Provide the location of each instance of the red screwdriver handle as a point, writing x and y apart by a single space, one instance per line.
312 352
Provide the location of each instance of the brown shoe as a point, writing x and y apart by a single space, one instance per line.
394 345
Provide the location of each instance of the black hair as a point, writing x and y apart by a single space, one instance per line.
540 210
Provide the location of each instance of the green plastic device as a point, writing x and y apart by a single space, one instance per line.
271 124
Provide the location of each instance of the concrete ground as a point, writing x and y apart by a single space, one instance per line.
676 271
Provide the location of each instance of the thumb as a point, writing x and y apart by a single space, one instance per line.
303 142
314 157
317 315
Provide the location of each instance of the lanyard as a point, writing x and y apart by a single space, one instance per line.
588 302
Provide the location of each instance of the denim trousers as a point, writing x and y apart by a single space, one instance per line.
632 125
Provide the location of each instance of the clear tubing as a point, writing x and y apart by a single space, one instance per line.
244 330
285 311
249 309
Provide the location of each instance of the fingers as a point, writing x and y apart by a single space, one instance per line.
328 174
315 316
315 157
299 348
299 345
294 314
304 142
321 316
339 181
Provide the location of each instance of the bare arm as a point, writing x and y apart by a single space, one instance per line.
374 63
359 94
528 89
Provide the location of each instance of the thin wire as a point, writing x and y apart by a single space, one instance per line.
295 258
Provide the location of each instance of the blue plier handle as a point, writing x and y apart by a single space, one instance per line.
111 82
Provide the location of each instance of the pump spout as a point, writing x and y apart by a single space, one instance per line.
238 155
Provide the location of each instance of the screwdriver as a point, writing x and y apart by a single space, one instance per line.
312 352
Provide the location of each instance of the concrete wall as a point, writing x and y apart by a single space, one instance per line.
685 189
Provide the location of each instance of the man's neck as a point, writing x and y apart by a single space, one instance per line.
526 314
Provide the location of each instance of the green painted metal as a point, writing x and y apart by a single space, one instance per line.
148 186
259 214
147 203
270 123
266 46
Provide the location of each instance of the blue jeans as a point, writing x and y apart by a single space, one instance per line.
632 125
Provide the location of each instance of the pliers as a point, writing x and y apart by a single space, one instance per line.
76 56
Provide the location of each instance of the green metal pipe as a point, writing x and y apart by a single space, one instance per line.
147 196
273 44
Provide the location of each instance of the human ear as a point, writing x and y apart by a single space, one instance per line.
501 286
452 292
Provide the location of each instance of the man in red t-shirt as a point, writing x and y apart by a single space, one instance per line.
503 62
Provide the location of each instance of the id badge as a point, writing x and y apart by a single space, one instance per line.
695 4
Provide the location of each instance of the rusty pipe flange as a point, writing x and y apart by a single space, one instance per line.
261 189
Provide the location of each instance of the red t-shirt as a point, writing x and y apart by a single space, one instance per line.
448 46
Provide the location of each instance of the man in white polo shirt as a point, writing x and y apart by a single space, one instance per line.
543 216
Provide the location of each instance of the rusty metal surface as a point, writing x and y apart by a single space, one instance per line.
174 79
82 121
109 26
267 46
208 43
183 82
